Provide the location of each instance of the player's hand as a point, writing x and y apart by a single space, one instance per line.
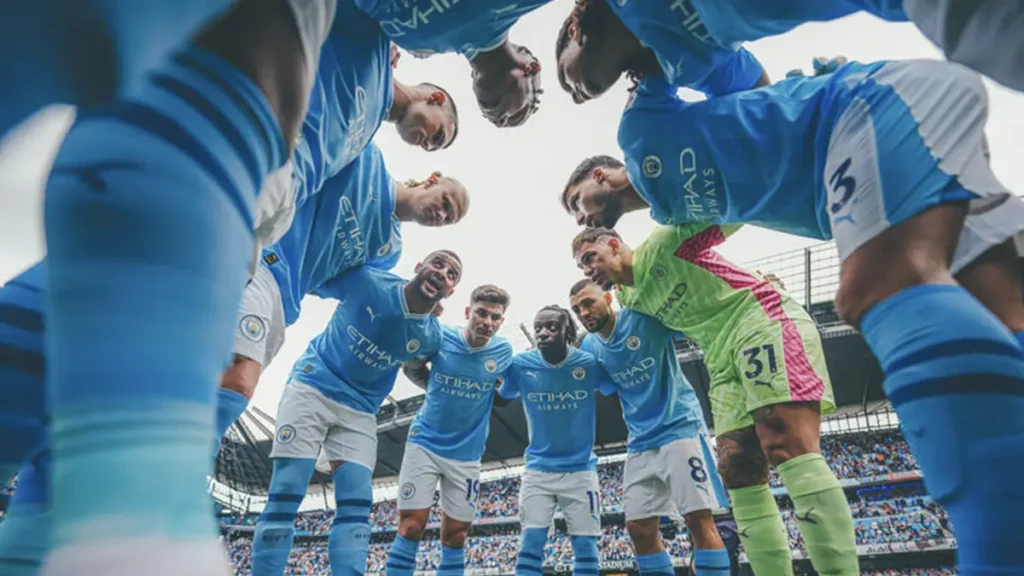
824 65
417 372
821 66
395 55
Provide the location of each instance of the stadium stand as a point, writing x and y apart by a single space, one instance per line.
894 515
899 530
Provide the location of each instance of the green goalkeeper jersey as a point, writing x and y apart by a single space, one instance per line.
679 279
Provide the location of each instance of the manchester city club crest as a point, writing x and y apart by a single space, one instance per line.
491 365
286 434
412 346
408 490
384 250
633 342
652 166
579 373
253 327
658 272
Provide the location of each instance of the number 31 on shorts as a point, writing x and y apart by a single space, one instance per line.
759 365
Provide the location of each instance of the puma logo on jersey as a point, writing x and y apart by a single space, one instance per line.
760 383
373 316
92 175
807 517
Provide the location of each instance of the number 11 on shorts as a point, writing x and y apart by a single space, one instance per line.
595 503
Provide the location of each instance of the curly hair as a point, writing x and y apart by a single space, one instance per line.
533 103
571 330
593 19
536 90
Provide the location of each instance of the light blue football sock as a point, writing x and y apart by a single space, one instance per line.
275 529
453 561
531 552
656 564
584 549
955 376
711 562
149 229
402 557
348 545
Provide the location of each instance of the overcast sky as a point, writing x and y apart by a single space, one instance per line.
516 234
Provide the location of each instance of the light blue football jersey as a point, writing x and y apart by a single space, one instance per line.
561 408
687 55
658 404
351 222
455 417
356 359
352 95
425 27
732 21
754 157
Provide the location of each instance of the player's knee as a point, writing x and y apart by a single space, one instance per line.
242 376
743 470
455 536
788 430
644 534
411 528
289 476
703 531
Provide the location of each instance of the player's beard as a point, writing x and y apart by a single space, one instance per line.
599 324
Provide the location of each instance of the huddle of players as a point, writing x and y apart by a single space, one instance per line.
246 124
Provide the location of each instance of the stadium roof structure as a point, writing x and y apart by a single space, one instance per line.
244 463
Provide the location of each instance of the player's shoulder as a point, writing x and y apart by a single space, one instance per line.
373 275
580 357
651 94
528 359
499 345
635 321
431 333
629 322
590 343
452 337
646 106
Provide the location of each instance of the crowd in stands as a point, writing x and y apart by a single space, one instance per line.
882 515
871 454
911 572
854 456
